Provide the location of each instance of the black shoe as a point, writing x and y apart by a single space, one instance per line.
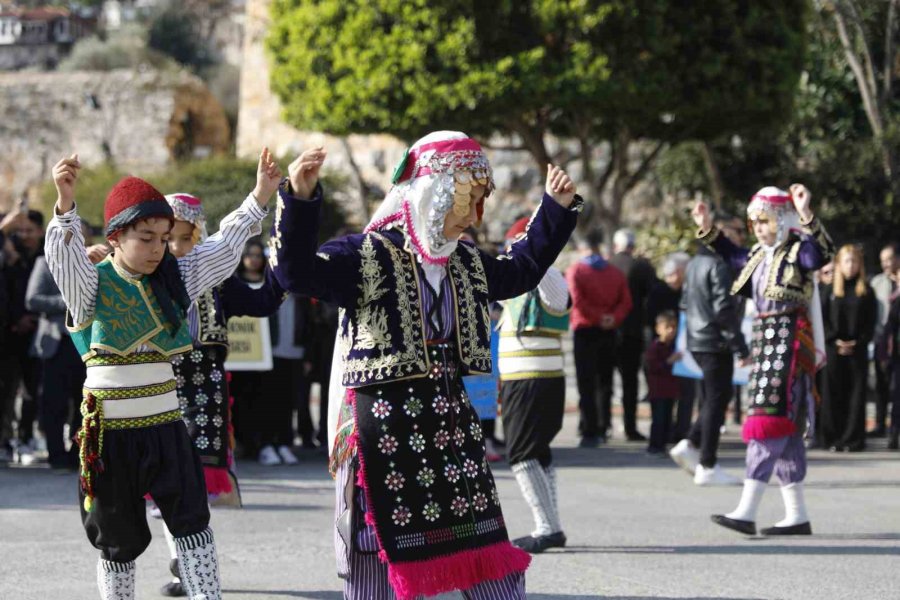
635 436
801 529
173 568
536 545
857 447
746 527
878 432
589 442
173 589
894 442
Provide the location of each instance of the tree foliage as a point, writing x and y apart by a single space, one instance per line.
605 73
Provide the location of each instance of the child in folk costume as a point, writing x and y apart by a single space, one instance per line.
127 318
418 511
533 395
200 374
787 346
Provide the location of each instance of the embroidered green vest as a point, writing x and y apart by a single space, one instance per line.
126 316
538 318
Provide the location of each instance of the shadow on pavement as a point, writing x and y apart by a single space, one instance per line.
748 548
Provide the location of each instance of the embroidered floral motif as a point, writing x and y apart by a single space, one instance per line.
198 378
426 477
475 430
196 356
387 444
459 438
218 421
201 399
413 407
432 511
441 439
218 397
480 502
440 405
394 481
451 472
201 419
202 442
459 506
417 442
472 314
401 516
471 468
215 375
381 408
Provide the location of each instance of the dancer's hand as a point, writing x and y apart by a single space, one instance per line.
701 216
97 253
268 176
560 186
65 173
802 199
304 172
607 322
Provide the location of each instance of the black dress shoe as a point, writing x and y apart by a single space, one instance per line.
635 436
746 527
893 443
173 589
801 529
878 432
536 545
589 442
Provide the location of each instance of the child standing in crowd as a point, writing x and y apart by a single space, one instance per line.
664 388
128 317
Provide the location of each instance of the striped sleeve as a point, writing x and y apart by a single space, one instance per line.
213 261
554 291
70 266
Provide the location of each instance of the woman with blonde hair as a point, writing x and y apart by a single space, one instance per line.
849 312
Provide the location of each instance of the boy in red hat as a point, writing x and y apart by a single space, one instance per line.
127 318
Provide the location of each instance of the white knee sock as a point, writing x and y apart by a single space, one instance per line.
750 498
199 566
115 580
536 489
794 505
170 541
550 472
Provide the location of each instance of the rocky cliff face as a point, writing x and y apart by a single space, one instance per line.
138 120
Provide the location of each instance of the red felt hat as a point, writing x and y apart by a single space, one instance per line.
133 199
517 228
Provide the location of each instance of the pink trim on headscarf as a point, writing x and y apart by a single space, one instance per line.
376 225
443 147
188 199
779 199
414 238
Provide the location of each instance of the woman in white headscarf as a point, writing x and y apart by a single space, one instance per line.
786 350
418 511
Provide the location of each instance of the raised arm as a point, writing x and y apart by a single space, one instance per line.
736 256
554 292
64 249
213 261
521 268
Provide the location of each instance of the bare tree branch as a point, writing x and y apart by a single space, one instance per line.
888 67
869 103
360 182
864 47
642 169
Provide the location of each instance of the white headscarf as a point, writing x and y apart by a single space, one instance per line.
435 176
189 208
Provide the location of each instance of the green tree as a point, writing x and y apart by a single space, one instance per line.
174 32
621 78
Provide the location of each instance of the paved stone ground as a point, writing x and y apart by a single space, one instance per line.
637 527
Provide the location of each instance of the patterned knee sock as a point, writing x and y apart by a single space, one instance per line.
536 489
199 566
550 471
115 580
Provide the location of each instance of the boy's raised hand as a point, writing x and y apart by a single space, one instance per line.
268 176
560 186
702 218
304 172
65 173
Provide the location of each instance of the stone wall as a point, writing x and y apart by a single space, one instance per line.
138 120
